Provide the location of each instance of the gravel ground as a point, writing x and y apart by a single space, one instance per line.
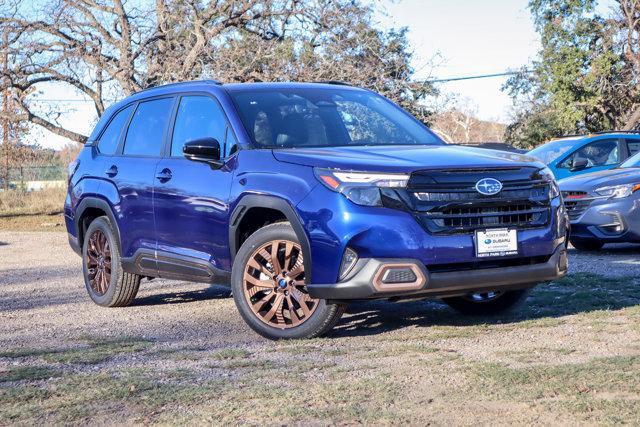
448 369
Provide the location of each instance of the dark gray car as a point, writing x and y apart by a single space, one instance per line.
604 207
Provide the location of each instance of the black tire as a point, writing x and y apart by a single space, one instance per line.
122 287
323 318
501 303
586 244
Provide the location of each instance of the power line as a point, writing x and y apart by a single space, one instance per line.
480 76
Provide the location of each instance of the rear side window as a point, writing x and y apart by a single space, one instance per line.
144 136
108 143
633 145
198 117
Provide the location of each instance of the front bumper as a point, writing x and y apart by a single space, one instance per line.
609 220
369 281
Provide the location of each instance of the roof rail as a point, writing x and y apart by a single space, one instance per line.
205 81
637 131
333 82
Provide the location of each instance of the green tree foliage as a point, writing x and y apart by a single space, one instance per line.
580 82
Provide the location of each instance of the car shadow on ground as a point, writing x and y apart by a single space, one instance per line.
211 292
574 294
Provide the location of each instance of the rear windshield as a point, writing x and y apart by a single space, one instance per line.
321 117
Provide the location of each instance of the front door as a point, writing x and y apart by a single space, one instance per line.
599 155
191 198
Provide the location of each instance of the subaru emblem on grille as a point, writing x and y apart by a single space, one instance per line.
488 186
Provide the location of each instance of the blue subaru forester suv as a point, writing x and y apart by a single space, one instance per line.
301 198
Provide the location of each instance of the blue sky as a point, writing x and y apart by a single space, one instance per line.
470 37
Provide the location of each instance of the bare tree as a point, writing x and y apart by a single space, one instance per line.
105 49
458 122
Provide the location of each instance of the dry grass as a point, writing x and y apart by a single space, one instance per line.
43 202
32 211
49 222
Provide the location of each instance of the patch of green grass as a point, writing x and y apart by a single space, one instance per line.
95 351
28 373
230 353
77 397
616 375
247 364
23 353
535 355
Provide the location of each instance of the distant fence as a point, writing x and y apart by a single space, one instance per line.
35 173
32 178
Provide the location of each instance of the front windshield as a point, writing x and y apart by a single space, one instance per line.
550 151
632 162
321 117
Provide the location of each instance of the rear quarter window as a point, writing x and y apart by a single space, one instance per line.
633 145
108 142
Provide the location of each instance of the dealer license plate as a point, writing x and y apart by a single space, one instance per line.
496 242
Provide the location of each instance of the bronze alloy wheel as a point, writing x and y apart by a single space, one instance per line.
273 284
99 262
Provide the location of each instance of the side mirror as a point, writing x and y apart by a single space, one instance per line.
205 150
579 164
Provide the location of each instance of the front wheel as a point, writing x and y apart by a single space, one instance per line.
487 303
268 282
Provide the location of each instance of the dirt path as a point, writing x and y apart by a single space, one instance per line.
182 354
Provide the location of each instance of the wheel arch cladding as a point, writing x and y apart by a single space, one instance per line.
256 204
93 207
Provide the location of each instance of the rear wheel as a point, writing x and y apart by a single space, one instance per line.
107 284
487 303
586 244
268 282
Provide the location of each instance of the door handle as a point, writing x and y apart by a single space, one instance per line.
112 171
165 175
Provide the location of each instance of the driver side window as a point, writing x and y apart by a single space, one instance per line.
604 152
198 117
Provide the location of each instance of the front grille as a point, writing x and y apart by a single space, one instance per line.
472 217
576 203
446 202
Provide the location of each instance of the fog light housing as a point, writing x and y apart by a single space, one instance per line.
616 226
349 259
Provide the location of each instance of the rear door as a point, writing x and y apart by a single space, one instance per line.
191 198
132 174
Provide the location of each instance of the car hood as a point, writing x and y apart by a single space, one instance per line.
405 158
591 181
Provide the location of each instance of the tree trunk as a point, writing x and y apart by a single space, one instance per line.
633 119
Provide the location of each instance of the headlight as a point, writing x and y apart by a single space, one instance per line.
362 188
618 191
554 190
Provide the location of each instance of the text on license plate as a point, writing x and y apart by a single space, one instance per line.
496 242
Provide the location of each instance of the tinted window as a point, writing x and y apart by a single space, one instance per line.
550 151
144 136
600 153
198 117
633 145
314 117
109 140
